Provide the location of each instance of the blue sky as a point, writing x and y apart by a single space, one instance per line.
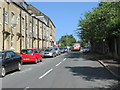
65 15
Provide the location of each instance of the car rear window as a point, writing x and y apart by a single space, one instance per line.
26 51
61 48
1 55
47 50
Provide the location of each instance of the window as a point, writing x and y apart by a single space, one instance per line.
12 41
23 24
30 27
36 51
12 19
17 19
1 55
26 51
13 54
6 17
8 55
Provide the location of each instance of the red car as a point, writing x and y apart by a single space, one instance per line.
31 55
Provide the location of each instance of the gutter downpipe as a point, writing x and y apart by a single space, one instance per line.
3 28
20 32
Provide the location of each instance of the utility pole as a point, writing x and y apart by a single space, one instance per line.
66 39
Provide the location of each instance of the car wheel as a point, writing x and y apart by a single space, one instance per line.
19 66
41 59
36 61
53 55
3 72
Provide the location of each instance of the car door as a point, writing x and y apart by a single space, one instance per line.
37 54
8 61
15 60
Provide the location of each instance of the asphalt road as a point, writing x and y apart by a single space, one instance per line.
70 70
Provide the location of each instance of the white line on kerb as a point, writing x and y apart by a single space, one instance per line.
64 59
45 73
58 64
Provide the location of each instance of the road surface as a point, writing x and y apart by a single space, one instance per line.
69 70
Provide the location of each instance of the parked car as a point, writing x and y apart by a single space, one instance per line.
57 50
62 50
49 52
9 61
86 49
41 52
31 55
66 49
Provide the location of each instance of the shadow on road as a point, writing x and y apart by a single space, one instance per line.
72 55
91 73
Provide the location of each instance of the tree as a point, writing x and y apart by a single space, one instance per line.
67 40
100 24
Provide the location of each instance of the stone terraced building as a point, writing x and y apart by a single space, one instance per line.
23 26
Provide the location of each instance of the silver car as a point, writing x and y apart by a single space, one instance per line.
49 53
57 50
62 50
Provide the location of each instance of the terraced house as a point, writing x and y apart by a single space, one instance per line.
23 26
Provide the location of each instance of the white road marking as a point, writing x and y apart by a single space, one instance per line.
64 59
58 64
26 88
45 74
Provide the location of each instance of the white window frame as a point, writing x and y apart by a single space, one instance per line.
6 17
23 24
17 19
12 19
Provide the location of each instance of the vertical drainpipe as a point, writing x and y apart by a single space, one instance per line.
20 32
3 27
32 32
42 35
26 32
38 32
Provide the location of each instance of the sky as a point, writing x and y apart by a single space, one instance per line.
65 15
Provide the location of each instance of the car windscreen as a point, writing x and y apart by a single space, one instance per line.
26 51
86 47
1 55
55 48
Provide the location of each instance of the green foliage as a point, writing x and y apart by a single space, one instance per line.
67 40
83 43
101 23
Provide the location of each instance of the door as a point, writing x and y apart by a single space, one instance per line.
15 60
38 55
8 61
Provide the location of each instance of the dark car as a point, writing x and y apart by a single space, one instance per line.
9 61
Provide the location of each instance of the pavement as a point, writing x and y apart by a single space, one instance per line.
111 64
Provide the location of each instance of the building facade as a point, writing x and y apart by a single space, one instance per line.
22 26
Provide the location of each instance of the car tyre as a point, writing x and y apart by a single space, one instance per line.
3 71
41 59
36 61
19 66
